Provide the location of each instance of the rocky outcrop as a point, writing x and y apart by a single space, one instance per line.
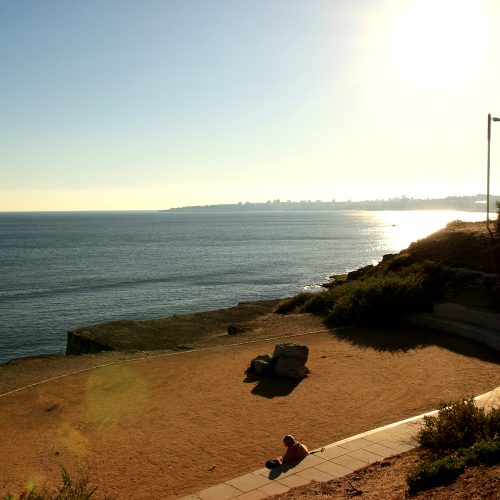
288 360
236 329
166 333
75 344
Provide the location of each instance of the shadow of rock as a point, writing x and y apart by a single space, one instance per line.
271 387
405 338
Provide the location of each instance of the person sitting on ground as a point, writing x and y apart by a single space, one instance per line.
294 452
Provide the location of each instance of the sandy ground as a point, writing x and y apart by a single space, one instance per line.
166 426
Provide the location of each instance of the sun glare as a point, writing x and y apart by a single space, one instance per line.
440 42
405 227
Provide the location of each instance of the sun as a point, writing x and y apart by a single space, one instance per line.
440 42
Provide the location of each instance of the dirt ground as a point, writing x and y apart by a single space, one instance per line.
387 480
171 424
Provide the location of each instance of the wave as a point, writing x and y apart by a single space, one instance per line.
182 279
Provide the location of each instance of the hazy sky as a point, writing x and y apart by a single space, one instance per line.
148 104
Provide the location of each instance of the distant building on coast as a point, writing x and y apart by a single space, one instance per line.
474 203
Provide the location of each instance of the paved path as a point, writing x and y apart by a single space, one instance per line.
331 462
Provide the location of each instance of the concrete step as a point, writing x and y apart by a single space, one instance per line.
459 312
485 336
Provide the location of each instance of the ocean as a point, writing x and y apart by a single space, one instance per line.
65 270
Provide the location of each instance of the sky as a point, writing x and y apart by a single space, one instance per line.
153 104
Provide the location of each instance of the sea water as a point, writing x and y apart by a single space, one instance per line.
60 271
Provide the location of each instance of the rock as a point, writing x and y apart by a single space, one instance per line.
263 364
359 273
288 360
297 351
290 368
261 367
263 357
235 329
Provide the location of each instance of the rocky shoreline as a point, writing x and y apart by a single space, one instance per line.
178 332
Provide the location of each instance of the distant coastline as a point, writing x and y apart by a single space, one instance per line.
473 203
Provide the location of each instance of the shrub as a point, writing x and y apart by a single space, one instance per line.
432 474
457 425
379 301
322 302
492 424
487 452
434 275
445 470
306 302
376 300
292 304
461 434
79 489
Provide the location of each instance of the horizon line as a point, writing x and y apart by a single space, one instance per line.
268 202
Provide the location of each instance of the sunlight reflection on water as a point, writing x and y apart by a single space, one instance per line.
403 228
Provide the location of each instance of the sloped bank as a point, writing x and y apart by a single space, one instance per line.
447 281
465 248
172 333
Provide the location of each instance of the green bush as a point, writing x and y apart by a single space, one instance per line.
323 301
434 276
457 425
379 301
445 470
487 452
461 434
483 452
492 424
293 303
432 474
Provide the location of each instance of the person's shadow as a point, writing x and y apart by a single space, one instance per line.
271 387
277 471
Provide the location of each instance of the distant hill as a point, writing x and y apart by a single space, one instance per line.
475 203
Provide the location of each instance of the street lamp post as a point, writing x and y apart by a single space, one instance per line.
488 169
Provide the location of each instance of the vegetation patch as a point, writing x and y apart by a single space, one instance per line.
376 300
460 435
78 489
431 474
458 425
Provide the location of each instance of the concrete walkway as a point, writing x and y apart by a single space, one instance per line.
331 462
